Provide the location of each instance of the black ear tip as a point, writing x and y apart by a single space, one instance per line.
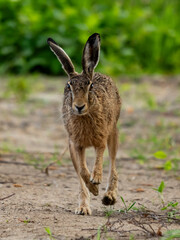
49 40
94 36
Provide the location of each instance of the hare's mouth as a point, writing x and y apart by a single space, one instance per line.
79 113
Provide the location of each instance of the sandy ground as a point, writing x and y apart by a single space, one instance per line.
32 136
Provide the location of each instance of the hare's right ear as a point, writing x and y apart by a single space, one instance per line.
62 57
91 52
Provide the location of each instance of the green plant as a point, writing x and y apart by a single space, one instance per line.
99 233
160 190
139 155
126 208
170 205
108 213
160 155
47 229
142 208
131 237
27 221
20 87
139 31
172 210
171 234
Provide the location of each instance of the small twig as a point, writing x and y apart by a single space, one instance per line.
15 163
140 220
59 159
153 232
1 199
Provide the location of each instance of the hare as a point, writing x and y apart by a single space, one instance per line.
91 109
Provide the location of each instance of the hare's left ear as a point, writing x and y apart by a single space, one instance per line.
62 57
91 53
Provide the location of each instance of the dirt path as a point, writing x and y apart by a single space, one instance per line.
32 136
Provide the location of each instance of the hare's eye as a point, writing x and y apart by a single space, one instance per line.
68 86
91 86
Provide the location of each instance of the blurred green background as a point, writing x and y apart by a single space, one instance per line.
138 37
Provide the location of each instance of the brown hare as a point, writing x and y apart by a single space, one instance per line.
91 109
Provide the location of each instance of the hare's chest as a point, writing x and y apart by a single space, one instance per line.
86 133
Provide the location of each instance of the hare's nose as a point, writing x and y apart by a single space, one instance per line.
80 108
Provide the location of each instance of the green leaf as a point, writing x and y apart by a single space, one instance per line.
131 206
160 155
174 204
168 165
99 234
123 202
164 208
170 204
161 187
48 231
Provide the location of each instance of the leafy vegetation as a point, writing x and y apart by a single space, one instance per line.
137 36
160 192
47 229
171 234
126 208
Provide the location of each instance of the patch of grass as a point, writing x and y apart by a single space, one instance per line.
158 144
170 205
37 162
6 147
27 221
124 88
126 208
21 87
139 155
122 137
18 87
160 190
171 234
109 212
172 210
99 234
140 208
131 237
47 229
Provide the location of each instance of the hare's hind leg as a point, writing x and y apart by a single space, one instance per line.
111 192
84 208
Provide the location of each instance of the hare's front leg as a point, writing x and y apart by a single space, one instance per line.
84 172
111 192
84 197
96 177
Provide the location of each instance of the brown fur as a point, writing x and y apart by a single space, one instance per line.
94 125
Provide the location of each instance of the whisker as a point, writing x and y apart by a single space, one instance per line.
62 115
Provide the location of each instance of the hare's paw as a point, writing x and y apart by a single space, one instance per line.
96 177
109 198
83 210
93 188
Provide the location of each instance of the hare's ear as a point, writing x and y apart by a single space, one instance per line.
62 57
91 53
